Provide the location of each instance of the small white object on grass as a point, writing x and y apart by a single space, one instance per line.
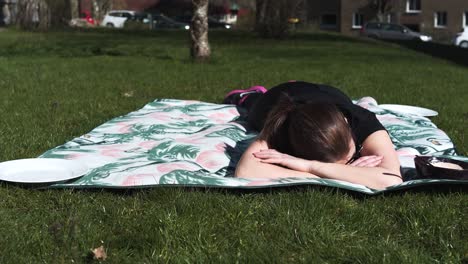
41 170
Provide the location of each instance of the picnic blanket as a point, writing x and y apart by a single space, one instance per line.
198 144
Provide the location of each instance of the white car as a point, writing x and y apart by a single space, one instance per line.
117 18
461 39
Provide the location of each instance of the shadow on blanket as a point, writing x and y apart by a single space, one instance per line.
235 153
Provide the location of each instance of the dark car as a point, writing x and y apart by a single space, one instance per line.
161 21
389 31
212 22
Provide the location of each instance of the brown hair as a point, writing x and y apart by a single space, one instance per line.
316 131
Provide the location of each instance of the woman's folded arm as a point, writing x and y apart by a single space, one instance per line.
378 168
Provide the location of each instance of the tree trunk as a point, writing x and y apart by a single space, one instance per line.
74 9
260 11
45 18
33 14
382 8
200 49
5 14
380 16
380 11
101 7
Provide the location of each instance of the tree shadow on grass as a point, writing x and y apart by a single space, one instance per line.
443 51
447 52
328 37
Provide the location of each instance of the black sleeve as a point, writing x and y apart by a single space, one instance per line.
362 121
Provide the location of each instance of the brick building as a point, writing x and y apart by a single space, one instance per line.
439 18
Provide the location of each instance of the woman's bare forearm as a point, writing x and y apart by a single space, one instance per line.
373 177
260 162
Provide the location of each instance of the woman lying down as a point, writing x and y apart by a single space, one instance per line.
312 130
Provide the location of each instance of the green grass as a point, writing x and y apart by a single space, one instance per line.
59 85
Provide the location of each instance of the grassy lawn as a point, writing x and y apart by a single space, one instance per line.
57 86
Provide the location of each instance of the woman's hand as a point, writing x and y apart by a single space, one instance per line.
274 157
250 166
367 161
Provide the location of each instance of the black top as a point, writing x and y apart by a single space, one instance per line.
362 121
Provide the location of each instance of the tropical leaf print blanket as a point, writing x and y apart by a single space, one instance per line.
197 144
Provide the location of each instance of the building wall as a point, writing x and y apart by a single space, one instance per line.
316 10
422 21
349 8
454 9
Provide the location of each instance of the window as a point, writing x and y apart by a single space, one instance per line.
358 20
413 6
127 15
386 26
440 19
465 19
328 21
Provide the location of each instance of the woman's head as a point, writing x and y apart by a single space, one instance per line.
316 131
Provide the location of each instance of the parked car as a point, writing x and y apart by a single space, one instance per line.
212 22
85 20
461 39
161 21
390 31
117 18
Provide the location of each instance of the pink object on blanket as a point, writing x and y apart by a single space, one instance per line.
251 89
256 88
